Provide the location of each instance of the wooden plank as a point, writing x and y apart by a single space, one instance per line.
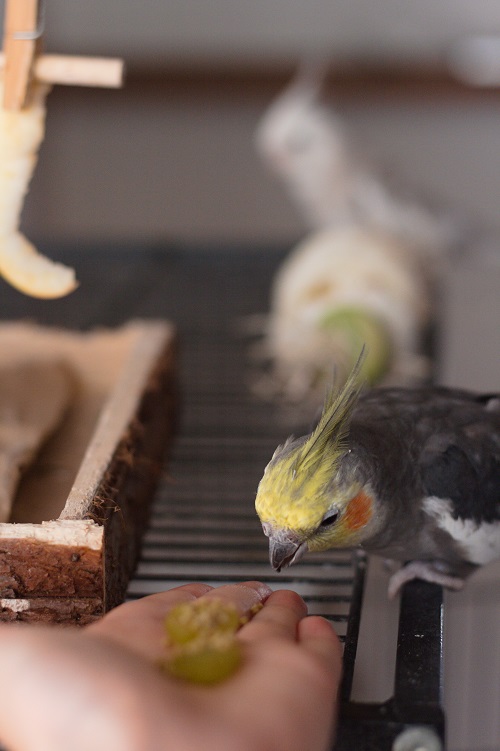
88 553
116 418
76 70
53 610
38 568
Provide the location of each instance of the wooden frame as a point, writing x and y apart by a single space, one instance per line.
75 567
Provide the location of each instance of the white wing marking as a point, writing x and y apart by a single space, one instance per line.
480 542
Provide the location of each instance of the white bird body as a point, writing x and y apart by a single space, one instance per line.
345 268
368 251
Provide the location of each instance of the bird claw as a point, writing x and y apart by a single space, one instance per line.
425 571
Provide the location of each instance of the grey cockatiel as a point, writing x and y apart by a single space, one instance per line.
408 474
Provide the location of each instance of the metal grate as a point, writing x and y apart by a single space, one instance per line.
203 526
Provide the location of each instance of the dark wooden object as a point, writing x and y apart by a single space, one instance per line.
77 566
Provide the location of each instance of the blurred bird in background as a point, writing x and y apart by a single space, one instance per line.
305 143
367 270
410 474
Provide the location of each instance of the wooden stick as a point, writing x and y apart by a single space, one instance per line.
74 70
21 17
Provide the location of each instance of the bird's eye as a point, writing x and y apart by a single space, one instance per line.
330 518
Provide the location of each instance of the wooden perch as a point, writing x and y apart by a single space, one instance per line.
74 70
21 61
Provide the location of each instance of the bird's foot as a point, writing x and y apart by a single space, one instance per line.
422 570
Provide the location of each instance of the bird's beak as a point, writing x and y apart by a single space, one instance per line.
284 551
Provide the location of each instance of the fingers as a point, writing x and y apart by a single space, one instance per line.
139 625
319 641
148 608
279 617
246 596
284 619
291 673
318 637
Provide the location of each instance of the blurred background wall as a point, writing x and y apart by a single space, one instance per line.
171 155
170 158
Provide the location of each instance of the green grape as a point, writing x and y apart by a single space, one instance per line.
206 665
191 620
201 641
357 327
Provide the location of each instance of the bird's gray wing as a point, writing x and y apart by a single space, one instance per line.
463 467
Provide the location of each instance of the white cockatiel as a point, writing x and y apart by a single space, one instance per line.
21 133
366 272
336 290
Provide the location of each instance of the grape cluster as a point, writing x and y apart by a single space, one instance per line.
201 642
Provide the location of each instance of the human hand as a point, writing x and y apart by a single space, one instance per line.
100 689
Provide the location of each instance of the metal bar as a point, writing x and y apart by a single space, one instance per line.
352 634
419 660
414 717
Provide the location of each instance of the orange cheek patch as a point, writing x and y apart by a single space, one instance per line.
359 512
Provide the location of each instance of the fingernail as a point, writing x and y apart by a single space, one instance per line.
262 589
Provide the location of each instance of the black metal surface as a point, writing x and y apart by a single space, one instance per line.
417 698
203 525
352 631
418 680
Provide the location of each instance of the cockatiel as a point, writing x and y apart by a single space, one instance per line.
367 271
408 474
335 290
